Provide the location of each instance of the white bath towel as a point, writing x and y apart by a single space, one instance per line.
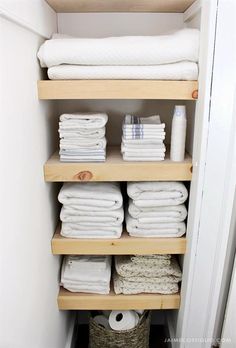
75 230
143 142
173 213
84 144
82 159
85 121
76 134
149 152
131 50
176 71
146 123
143 159
86 274
143 136
157 229
91 196
70 213
157 193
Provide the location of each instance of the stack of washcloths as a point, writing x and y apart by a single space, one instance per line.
173 56
146 273
143 139
90 274
82 137
156 209
91 210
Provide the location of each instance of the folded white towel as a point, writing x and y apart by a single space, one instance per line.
139 158
175 71
146 123
82 159
91 196
149 152
75 230
142 136
157 193
77 133
131 50
85 121
84 144
70 213
173 213
154 229
142 142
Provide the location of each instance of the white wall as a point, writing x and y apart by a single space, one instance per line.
29 272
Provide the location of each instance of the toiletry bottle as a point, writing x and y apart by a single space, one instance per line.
178 134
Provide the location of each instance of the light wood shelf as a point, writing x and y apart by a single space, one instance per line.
125 245
81 301
120 5
115 169
117 89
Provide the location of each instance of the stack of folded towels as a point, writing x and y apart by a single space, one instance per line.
82 137
146 273
165 57
156 209
91 210
143 139
91 274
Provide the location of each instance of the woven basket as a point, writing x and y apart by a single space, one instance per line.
138 337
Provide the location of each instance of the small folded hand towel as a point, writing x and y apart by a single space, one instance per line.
83 121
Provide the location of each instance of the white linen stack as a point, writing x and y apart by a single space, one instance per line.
91 210
146 274
91 274
143 139
82 137
156 209
164 57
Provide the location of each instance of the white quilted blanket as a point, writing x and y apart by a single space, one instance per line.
130 50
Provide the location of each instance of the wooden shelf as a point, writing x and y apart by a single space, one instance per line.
117 89
115 169
125 245
80 301
120 5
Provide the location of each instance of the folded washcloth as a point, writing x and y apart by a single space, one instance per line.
76 230
91 196
77 133
157 193
155 229
126 268
124 286
173 213
70 213
81 121
86 273
175 71
182 45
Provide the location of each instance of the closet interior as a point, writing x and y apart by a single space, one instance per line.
96 19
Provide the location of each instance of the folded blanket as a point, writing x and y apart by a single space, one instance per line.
77 133
151 260
75 230
124 286
70 213
155 229
173 213
86 274
91 196
87 121
183 45
156 194
126 268
186 71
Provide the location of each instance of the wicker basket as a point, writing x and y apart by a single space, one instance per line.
138 337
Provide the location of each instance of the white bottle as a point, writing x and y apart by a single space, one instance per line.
178 134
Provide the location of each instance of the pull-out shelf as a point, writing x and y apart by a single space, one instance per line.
115 169
81 301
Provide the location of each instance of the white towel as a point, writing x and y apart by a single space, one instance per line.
85 121
157 193
145 158
143 142
155 229
107 217
84 144
174 213
131 50
76 134
89 196
139 151
146 123
75 230
186 71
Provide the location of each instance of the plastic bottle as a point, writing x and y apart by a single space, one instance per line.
178 134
